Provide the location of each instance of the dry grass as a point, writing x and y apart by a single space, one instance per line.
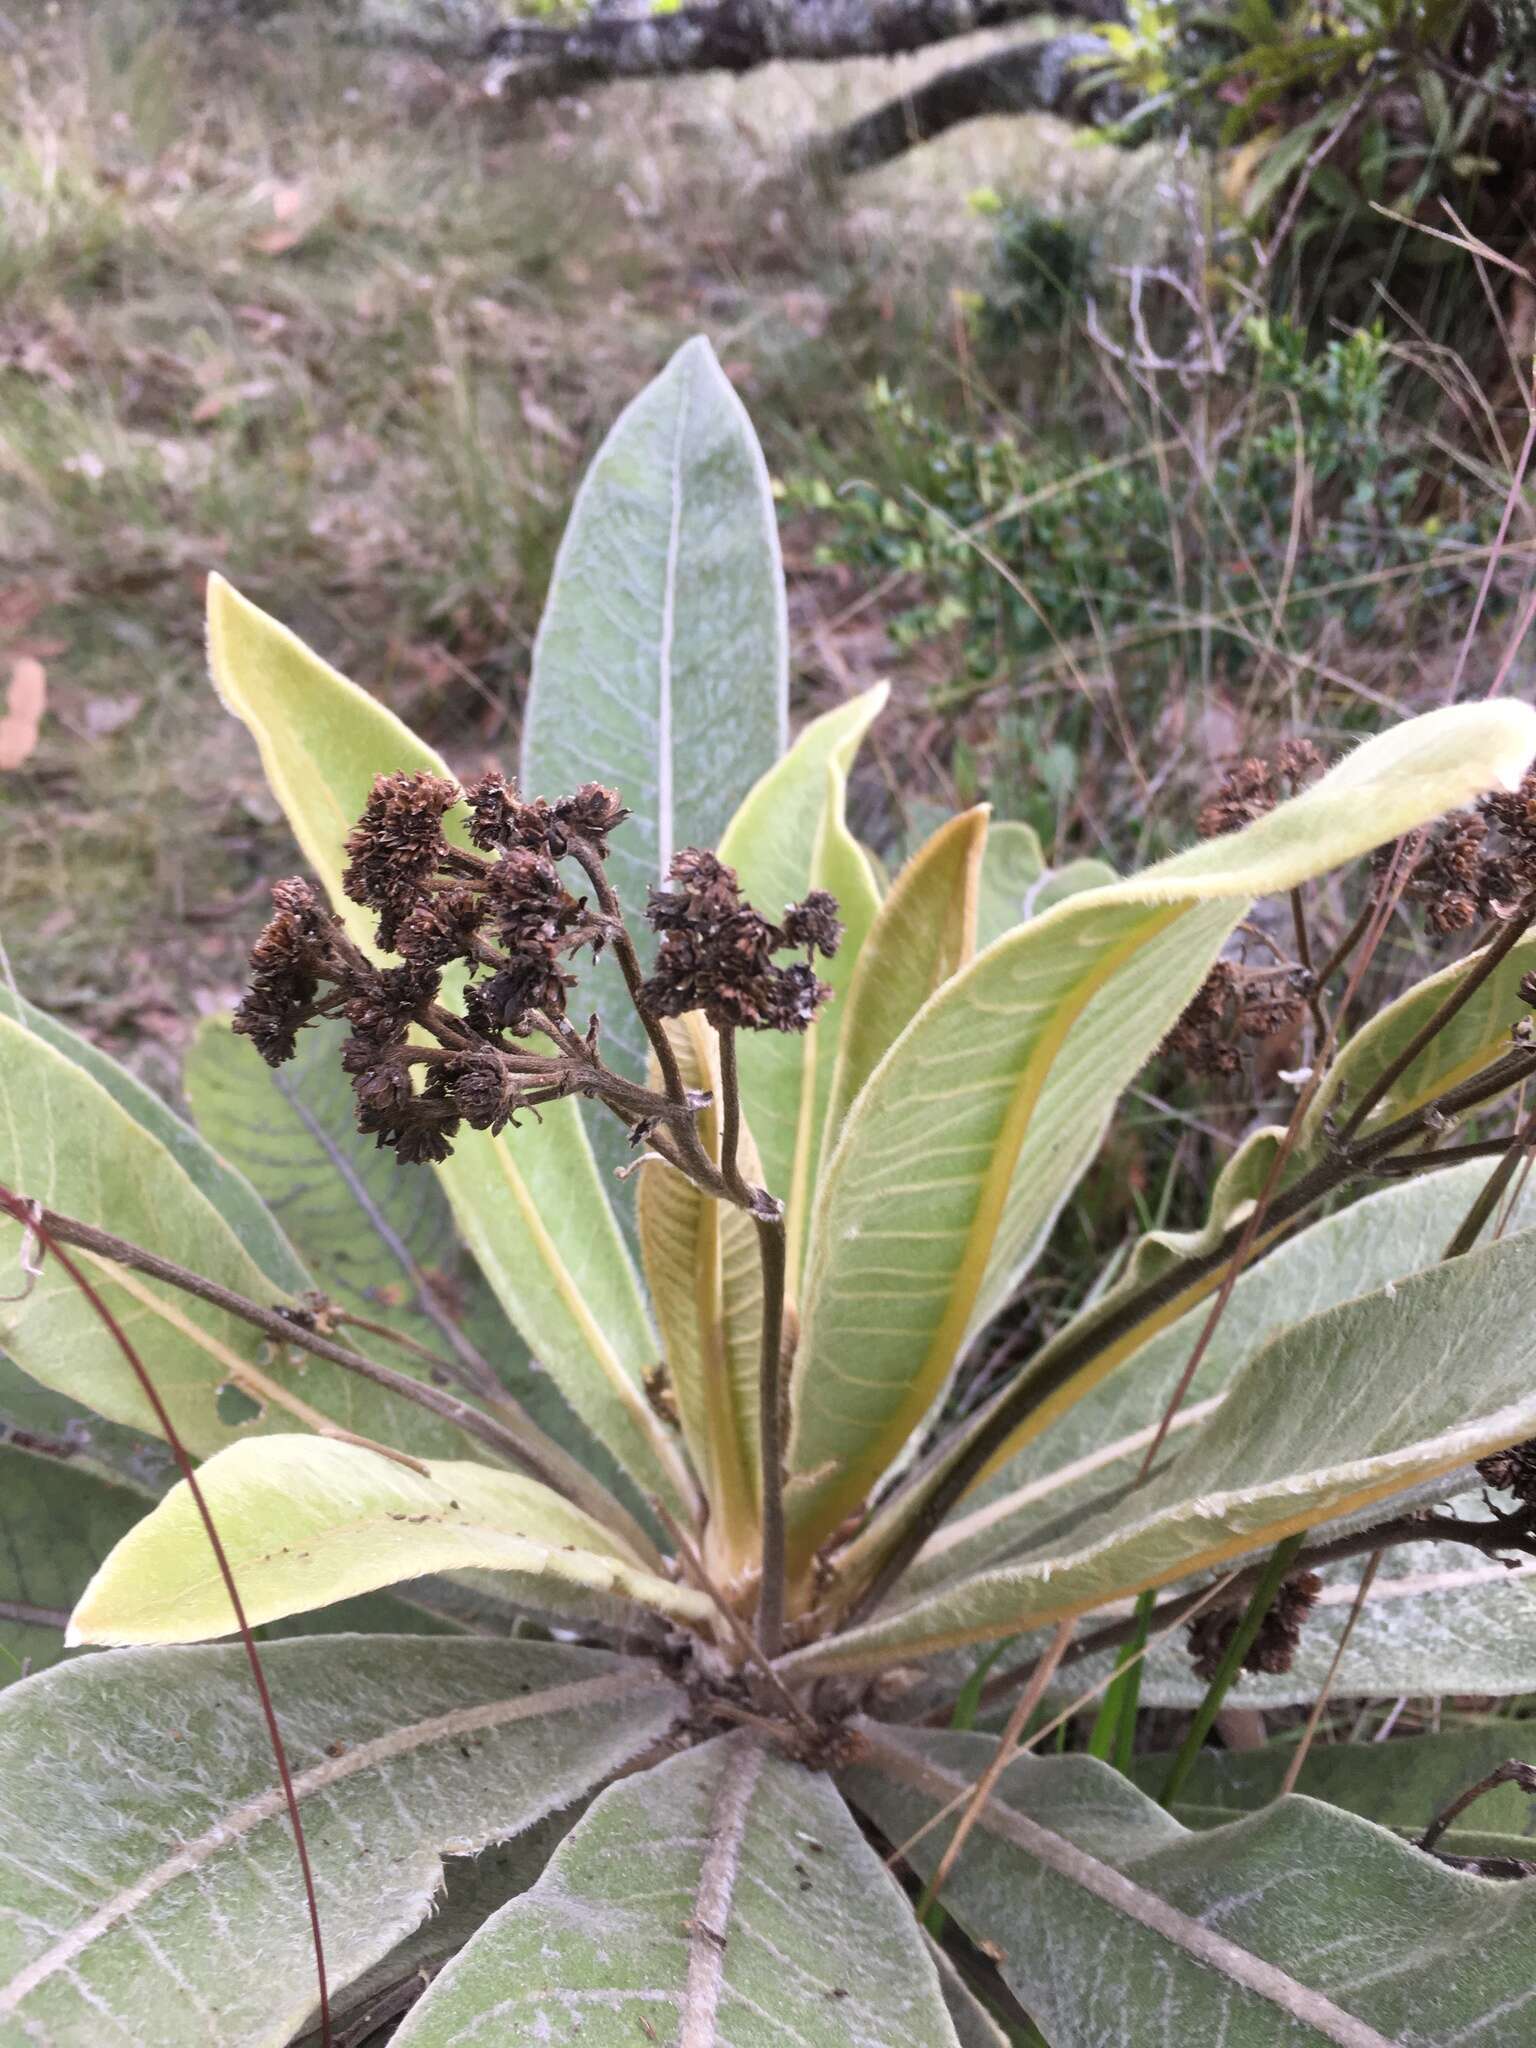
346 330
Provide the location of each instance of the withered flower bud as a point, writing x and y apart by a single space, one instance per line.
794 996
1268 1012
385 1002
383 1089
396 844
421 1144
1511 872
285 973
531 981
482 1091
1273 1649
591 811
1453 910
529 902
1297 761
1512 1471
1246 792
493 805
441 928
814 924
1200 1037
1450 877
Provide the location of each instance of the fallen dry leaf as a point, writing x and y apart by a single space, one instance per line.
24 703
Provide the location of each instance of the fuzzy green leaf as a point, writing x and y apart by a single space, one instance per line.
1296 1926
1473 1039
215 1176
1011 868
305 1521
725 1899
705 1275
1096 1445
175 1918
1401 1785
57 1523
1378 1396
923 933
980 1119
661 665
65 1141
1438 1618
1016 883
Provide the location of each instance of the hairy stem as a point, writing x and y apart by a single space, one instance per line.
1470 1228
773 1252
730 1115
1304 955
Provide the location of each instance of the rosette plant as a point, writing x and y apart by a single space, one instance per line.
530 1574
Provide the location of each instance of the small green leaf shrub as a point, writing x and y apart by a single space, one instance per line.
1016 546
627 1551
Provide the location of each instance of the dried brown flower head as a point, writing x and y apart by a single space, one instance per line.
1512 1471
1246 792
287 963
1254 786
814 924
716 951
1273 1649
396 845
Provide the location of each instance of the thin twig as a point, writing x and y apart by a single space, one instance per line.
1511 1772
590 861
1470 1228
730 1114
474 1371
1513 497
1315 992
1319 1705
1479 967
1001 1758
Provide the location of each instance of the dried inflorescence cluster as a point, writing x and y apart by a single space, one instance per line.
1273 1649
1235 1001
499 908
1478 866
1253 787
1512 1471
716 951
